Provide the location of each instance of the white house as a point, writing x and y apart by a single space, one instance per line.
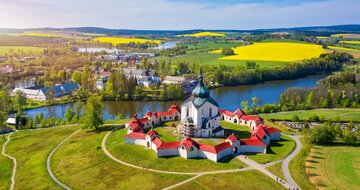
239 117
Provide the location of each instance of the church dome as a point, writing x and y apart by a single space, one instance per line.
200 90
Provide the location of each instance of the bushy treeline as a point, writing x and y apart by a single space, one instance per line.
7 40
231 76
328 133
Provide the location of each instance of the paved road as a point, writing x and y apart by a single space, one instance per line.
285 164
48 166
14 160
261 168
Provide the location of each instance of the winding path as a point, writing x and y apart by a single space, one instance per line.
285 164
14 160
48 166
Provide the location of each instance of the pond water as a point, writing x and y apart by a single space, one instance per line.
227 98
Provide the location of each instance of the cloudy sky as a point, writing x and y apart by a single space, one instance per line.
178 14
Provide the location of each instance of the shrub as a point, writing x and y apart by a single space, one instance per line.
295 118
227 51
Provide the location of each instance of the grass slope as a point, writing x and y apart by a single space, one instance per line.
334 167
344 114
16 49
253 180
31 149
81 164
276 170
141 156
6 167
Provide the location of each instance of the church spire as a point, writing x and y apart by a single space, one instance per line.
200 90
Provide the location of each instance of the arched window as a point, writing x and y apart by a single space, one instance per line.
187 112
210 112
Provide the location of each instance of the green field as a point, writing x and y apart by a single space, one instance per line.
275 151
81 164
5 169
334 167
253 180
343 114
208 45
31 149
240 131
143 157
213 59
276 170
16 49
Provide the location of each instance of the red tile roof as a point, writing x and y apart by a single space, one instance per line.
214 149
174 107
152 133
252 142
166 145
136 135
250 117
271 130
187 142
232 137
226 112
239 113
144 120
260 131
164 113
157 142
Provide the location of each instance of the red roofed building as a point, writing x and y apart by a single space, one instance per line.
135 125
239 117
261 134
275 134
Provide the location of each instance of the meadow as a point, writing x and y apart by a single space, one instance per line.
31 149
122 40
275 51
349 42
39 34
342 114
203 34
16 49
334 167
5 169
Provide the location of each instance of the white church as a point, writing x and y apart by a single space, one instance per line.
200 115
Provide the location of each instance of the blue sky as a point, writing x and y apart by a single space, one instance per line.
178 14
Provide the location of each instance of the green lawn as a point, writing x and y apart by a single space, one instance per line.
344 114
6 167
240 131
144 157
253 180
81 164
16 49
276 170
166 132
276 150
334 167
212 59
31 149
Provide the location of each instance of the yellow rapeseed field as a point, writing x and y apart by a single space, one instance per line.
275 51
121 40
39 34
349 42
202 34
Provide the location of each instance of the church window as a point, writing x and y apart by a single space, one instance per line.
210 112
191 148
187 112
182 147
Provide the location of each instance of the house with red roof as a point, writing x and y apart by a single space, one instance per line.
239 117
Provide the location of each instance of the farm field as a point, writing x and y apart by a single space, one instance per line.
275 51
346 35
203 34
121 40
31 149
39 34
5 49
344 114
334 167
244 180
349 42
81 164
207 45
143 157
213 59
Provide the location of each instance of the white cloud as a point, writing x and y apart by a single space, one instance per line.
166 14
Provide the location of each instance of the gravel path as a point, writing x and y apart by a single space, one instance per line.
48 166
14 160
285 164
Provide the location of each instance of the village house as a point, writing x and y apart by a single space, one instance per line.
239 117
103 77
43 94
143 77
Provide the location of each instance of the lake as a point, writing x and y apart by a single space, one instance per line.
227 98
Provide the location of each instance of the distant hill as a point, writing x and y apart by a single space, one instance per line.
354 28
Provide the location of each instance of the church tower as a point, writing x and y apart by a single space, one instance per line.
200 113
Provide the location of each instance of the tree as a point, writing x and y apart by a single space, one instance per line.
20 100
76 77
323 134
227 51
295 118
253 103
69 115
348 136
78 109
93 113
245 106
